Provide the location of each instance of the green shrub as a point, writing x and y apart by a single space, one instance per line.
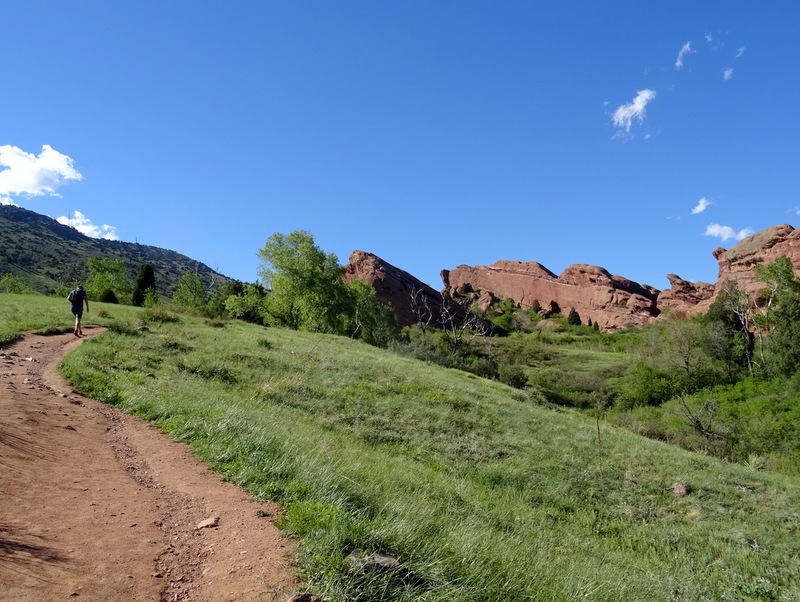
9 283
512 375
107 296
158 314
122 327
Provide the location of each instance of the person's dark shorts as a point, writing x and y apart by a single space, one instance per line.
77 310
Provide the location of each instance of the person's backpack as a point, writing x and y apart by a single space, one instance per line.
71 297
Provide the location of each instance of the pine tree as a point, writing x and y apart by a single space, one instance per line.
573 317
144 280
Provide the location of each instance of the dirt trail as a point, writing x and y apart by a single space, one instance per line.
98 505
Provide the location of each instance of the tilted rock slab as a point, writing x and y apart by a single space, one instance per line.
610 302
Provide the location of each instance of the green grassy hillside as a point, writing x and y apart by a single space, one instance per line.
481 493
45 255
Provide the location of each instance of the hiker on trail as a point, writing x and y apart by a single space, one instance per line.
78 298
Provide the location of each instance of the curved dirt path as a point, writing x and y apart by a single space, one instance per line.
98 505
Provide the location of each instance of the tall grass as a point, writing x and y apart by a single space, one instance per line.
480 493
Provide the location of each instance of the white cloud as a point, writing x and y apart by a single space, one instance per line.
28 175
701 206
739 52
727 75
686 49
83 225
709 38
625 114
726 232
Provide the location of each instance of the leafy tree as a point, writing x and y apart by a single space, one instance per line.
151 298
106 274
248 303
306 287
145 279
734 308
191 291
371 321
307 292
784 341
782 287
9 283
727 324
215 307
781 314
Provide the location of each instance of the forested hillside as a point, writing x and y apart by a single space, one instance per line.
46 255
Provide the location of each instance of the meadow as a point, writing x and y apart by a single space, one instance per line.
483 492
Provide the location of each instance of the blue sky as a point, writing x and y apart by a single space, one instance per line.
638 136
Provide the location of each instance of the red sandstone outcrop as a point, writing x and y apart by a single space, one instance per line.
685 297
611 302
413 301
735 264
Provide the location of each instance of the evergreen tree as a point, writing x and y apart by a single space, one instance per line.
573 317
145 279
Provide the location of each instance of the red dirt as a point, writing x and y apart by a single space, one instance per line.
99 505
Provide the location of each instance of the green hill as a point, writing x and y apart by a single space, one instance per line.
45 254
478 490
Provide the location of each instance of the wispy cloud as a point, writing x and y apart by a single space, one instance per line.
625 114
685 49
727 75
84 225
701 206
29 175
739 52
726 232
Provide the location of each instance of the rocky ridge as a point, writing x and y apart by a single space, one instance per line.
600 298
611 302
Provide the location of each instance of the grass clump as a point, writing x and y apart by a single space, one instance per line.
158 314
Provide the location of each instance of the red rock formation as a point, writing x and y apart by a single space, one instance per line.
685 297
413 301
735 264
611 302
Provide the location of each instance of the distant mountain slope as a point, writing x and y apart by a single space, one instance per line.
45 254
